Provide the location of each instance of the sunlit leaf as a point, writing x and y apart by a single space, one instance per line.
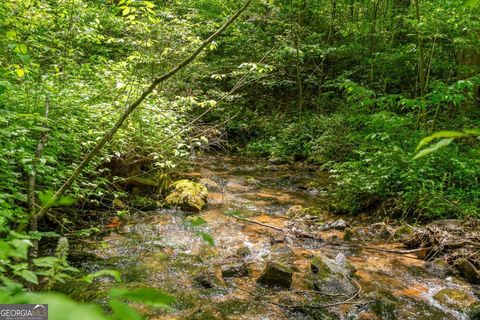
440 144
102 273
207 238
28 275
438 135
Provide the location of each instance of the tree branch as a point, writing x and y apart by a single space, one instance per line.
109 135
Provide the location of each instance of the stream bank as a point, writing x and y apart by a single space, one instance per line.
258 272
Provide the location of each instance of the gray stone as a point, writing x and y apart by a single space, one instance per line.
339 224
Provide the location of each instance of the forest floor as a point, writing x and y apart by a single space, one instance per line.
278 254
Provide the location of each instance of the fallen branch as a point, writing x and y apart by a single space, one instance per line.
109 134
297 233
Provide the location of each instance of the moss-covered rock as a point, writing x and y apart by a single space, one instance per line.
454 299
234 270
469 271
276 275
187 195
331 276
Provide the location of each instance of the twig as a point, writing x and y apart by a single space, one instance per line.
333 304
297 233
259 223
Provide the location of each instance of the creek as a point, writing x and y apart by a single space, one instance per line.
162 249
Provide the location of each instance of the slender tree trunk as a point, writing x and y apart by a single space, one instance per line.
32 180
421 49
421 66
109 134
373 32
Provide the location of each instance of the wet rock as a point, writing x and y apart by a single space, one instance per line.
283 254
207 279
439 268
332 276
187 195
339 224
469 271
234 270
277 160
276 275
454 299
243 251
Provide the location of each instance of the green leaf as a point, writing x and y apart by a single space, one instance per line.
197 221
22 48
126 11
21 248
440 144
207 238
20 72
45 197
440 134
46 262
28 275
149 4
148 296
11 35
65 201
472 3
61 307
123 311
102 273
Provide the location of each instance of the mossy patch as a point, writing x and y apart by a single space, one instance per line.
187 195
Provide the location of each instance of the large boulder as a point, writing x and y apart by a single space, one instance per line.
187 195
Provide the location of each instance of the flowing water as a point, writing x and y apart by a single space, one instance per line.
163 250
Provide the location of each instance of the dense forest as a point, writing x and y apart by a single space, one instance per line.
227 159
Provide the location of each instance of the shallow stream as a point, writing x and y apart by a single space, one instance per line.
163 250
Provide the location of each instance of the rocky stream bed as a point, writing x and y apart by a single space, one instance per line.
263 266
